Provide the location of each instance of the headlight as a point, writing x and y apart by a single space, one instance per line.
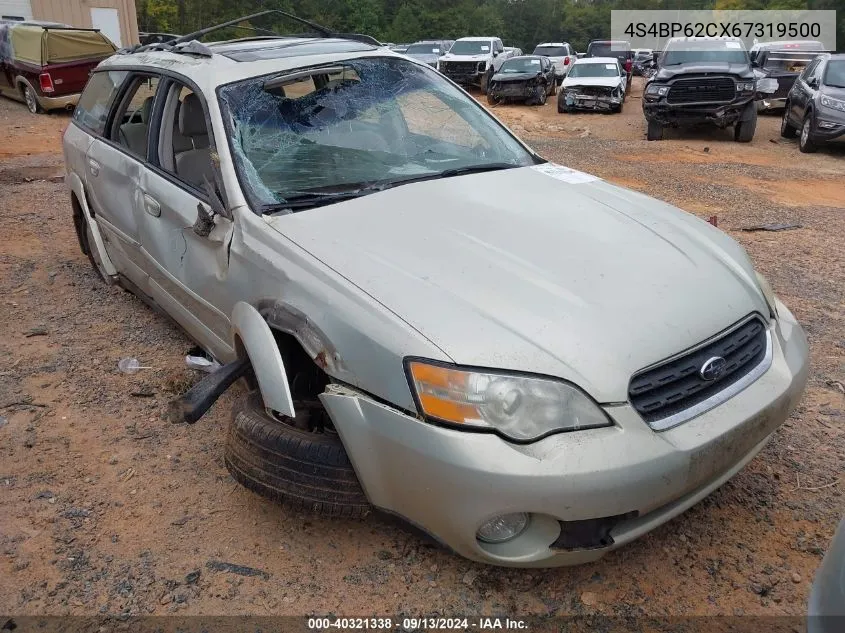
768 293
654 89
836 104
522 408
745 86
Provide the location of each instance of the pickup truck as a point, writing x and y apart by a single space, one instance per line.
472 61
46 65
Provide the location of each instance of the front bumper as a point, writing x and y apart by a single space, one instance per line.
448 482
722 114
575 100
513 90
827 127
463 78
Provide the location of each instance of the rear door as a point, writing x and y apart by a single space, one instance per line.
115 162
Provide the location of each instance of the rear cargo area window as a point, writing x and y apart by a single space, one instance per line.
97 99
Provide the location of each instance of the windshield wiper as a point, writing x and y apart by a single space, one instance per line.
311 199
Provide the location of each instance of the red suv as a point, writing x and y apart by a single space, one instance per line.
46 65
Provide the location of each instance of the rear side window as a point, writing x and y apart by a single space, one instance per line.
93 108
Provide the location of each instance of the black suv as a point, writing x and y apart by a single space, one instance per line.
702 80
816 103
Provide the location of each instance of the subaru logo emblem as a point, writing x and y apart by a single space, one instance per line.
713 368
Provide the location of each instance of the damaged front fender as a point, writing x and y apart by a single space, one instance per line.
254 338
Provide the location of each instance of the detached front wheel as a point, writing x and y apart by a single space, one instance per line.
301 469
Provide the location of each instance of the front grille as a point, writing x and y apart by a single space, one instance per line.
677 385
702 90
591 91
459 68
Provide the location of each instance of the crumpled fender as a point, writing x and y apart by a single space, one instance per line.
74 183
258 343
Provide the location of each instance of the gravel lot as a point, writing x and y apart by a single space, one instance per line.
105 507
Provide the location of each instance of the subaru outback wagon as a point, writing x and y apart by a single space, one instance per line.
530 364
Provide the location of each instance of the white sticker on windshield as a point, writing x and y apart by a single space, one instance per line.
733 45
559 172
485 48
610 66
435 50
535 62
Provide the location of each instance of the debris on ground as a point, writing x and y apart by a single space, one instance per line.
772 227
38 330
240 570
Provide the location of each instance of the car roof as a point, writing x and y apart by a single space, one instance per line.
552 44
510 59
477 39
813 44
220 63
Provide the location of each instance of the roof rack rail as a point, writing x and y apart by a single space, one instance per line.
174 45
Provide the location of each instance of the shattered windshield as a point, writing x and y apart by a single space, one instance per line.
521 65
470 47
329 133
603 69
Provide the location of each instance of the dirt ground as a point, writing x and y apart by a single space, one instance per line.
107 508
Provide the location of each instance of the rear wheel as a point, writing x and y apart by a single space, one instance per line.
787 130
300 465
86 241
31 99
655 131
805 141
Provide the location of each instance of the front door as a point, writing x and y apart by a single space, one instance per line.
188 270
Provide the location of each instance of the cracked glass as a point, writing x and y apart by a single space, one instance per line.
356 127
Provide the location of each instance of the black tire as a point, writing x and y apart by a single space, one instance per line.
492 100
296 468
539 96
744 130
552 88
617 109
560 108
484 82
31 99
655 131
805 140
787 130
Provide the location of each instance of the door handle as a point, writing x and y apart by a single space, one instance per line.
152 206
94 167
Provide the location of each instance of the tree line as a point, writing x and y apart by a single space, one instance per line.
521 23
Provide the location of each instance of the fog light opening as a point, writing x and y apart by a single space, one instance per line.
502 528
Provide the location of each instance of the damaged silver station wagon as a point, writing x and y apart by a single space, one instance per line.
528 363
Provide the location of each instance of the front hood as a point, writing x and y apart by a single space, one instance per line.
834 93
610 82
448 57
507 77
541 273
666 73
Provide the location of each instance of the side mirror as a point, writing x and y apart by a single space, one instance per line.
495 53
654 57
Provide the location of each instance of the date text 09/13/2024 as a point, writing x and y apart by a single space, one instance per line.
414 624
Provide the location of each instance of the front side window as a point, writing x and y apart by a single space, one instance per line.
834 75
604 69
304 136
96 100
